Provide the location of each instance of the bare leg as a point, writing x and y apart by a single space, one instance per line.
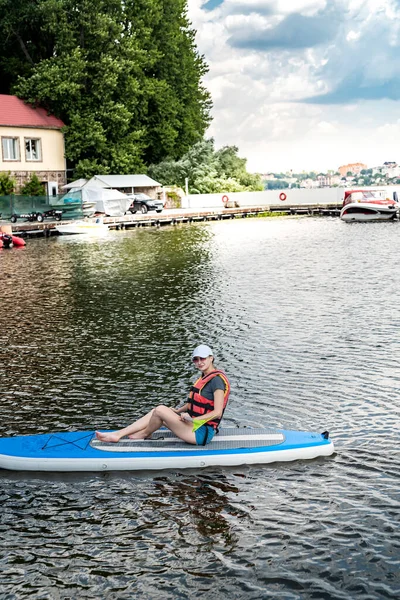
115 436
154 424
138 435
164 415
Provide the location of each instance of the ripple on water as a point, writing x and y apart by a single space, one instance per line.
302 314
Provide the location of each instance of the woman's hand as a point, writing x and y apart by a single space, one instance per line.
180 409
186 417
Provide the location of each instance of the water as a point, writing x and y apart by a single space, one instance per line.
303 315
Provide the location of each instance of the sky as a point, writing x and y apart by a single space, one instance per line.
302 85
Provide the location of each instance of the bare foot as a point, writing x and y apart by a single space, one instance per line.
107 437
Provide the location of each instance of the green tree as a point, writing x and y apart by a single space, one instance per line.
124 75
278 184
21 42
207 170
232 166
176 104
7 184
33 187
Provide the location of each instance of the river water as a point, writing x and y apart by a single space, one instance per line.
303 315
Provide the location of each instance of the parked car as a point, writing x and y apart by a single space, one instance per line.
143 203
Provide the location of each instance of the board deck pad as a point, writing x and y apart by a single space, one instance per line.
166 440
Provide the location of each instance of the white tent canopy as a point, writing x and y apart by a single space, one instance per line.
74 184
123 181
101 189
110 202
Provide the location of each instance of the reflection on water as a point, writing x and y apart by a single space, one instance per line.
206 503
302 313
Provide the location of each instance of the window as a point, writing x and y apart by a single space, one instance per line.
32 149
10 147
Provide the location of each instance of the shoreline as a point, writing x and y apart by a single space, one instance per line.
177 216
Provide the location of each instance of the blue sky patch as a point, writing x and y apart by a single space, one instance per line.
350 90
211 4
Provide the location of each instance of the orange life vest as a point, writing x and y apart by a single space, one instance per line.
199 405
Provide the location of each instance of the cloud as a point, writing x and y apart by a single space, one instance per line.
325 127
364 66
294 32
267 7
353 35
247 7
302 83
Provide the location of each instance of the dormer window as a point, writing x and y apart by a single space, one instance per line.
33 149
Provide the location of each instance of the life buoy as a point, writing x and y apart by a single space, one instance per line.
225 199
282 196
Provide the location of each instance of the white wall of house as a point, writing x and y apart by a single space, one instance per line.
27 154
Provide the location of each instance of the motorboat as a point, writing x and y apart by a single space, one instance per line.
368 205
89 227
88 209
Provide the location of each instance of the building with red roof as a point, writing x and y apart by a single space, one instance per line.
32 141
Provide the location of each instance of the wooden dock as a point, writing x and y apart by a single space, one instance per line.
177 216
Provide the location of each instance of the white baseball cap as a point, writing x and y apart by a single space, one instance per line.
202 351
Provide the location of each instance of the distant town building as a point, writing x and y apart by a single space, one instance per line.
328 180
309 183
353 168
388 170
31 142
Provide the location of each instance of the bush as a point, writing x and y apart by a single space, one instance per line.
174 200
7 184
33 187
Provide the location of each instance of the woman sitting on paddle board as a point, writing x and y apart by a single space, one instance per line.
197 421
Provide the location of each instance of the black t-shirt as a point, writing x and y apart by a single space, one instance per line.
216 383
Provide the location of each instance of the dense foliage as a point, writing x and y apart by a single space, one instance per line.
124 75
33 187
7 184
207 170
278 184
